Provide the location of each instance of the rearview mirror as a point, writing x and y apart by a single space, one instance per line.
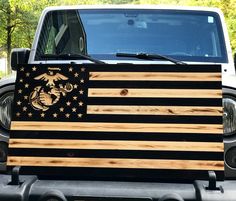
19 56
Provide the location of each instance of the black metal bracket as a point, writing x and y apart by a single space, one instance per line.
15 180
212 182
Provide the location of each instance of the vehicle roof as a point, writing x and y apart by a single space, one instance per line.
163 7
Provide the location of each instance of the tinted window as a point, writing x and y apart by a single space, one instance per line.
184 35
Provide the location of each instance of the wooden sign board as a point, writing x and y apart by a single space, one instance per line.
131 121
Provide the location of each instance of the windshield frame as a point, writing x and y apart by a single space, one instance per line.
223 59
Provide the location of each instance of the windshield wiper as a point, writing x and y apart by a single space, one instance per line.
72 56
150 57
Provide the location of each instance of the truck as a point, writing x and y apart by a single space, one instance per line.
173 57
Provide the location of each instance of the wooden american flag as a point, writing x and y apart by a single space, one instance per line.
118 121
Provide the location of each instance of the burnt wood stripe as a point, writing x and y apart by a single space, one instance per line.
80 153
117 127
117 145
194 137
154 93
156 84
116 163
154 110
154 76
214 102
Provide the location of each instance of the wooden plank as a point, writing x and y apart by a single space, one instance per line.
116 163
155 76
155 93
154 110
117 127
116 145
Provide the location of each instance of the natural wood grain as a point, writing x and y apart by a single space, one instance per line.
154 110
117 127
116 163
155 76
155 93
116 145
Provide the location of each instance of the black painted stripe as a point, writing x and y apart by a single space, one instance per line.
156 84
139 119
156 101
154 118
56 173
77 153
150 68
193 137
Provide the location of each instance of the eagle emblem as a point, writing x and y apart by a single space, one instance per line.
50 78
41 98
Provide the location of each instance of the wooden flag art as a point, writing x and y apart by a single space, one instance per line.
118 121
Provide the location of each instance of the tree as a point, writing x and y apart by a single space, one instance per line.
9 22
17 23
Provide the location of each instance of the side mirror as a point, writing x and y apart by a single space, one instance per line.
19 56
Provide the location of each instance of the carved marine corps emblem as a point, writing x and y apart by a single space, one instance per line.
43 97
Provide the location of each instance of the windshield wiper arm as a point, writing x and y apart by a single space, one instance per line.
150 56
72 56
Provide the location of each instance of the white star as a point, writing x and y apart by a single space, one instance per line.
34 68
70 69
55 115
76 74
80 115
42 115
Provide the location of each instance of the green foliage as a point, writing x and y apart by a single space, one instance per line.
2 74
18 20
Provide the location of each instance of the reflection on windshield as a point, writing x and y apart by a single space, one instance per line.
62 33
184 35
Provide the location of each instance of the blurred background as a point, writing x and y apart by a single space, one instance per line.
18 20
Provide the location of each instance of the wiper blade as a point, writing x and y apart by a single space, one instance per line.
150 57
72 56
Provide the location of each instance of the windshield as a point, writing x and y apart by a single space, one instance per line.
184 35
